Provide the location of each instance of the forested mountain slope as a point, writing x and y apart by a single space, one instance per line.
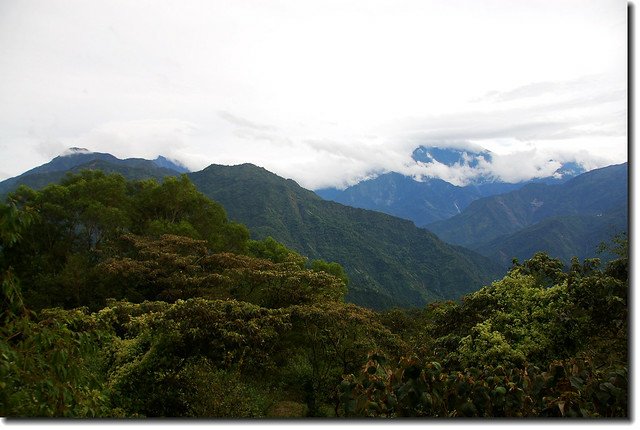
591 207
402 196
563 237
133 299
390 262
78 159
591 193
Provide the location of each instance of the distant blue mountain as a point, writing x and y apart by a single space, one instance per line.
172 165
450 156
566 219
422 202
75 159
431 199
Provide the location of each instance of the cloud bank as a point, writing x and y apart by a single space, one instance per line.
326 92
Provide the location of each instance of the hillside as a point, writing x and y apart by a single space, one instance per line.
422 202
390 262
562 219
78 159
563 237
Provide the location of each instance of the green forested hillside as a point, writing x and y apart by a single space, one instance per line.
57 169
540 217
389 261
564 237
132 299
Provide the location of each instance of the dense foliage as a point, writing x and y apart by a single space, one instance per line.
390 262
540 342
139 299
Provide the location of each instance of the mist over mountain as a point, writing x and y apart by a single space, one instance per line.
451 156
172 165
425 199
463 155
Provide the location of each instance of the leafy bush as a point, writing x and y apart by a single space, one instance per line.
567 388
160 350
50 366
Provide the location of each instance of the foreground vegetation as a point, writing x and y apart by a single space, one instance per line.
140 299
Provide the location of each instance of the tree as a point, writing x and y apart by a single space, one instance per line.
332 340
48 360
77 226
546 271
274 251
12 225
176 207
164 349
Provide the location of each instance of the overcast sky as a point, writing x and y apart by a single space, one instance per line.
324 92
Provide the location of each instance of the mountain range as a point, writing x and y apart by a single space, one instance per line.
390 262
565 220
470 233
566 214
427 199
76 159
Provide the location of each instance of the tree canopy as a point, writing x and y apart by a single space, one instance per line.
141 299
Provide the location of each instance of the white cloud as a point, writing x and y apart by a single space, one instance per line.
323 91
141 138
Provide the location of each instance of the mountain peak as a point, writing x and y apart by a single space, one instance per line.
75 150
162 161
569 170
451 156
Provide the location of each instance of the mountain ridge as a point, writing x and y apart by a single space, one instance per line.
75 159
592 207
379 252
427 199
389 260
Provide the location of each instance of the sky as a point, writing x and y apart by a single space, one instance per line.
325 92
